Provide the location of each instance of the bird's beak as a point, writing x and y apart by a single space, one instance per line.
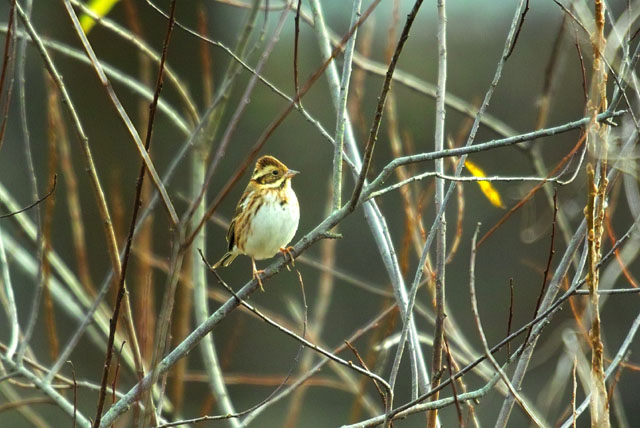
290 173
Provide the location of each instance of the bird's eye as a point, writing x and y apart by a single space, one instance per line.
275 172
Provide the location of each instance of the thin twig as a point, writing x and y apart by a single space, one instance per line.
316 368
545 275
71 186
441 233
440 404
375 125
342 111
574 416
301 339
613 291
134 216
364 365
27 402
419 177
295 50
520 25
48 390
104 81
485 345
45 248
447 350
623 266
8 59
582 68
28 207
11 309
205 55
480 147
510 320
75 395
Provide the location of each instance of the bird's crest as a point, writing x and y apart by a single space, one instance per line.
269 160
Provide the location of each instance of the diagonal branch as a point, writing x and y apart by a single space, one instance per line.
106 84
373 132
136 207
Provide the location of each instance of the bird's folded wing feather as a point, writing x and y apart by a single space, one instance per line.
231 233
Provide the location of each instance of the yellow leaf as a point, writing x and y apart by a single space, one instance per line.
486 187
100 8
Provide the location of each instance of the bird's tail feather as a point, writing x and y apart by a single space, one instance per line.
226 260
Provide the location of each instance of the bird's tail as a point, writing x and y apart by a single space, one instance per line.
226 260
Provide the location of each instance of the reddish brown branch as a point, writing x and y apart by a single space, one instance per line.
545 275
583 71
136 207
295 50
461 423
510 320
364 366
625 271
375 126
205 56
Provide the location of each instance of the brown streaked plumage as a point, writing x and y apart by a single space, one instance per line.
266 217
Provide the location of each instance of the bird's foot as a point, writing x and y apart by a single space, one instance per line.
256 276
288 251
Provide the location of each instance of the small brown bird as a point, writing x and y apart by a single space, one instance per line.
266 217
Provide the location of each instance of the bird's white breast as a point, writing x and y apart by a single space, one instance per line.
273 225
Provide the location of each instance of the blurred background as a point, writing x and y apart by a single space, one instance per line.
345 282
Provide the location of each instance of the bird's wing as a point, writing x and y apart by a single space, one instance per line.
231 233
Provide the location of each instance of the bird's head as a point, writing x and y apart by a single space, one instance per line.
270 172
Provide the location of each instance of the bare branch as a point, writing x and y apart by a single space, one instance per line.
474 307
37 201
373 132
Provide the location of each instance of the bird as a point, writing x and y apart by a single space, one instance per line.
266 217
